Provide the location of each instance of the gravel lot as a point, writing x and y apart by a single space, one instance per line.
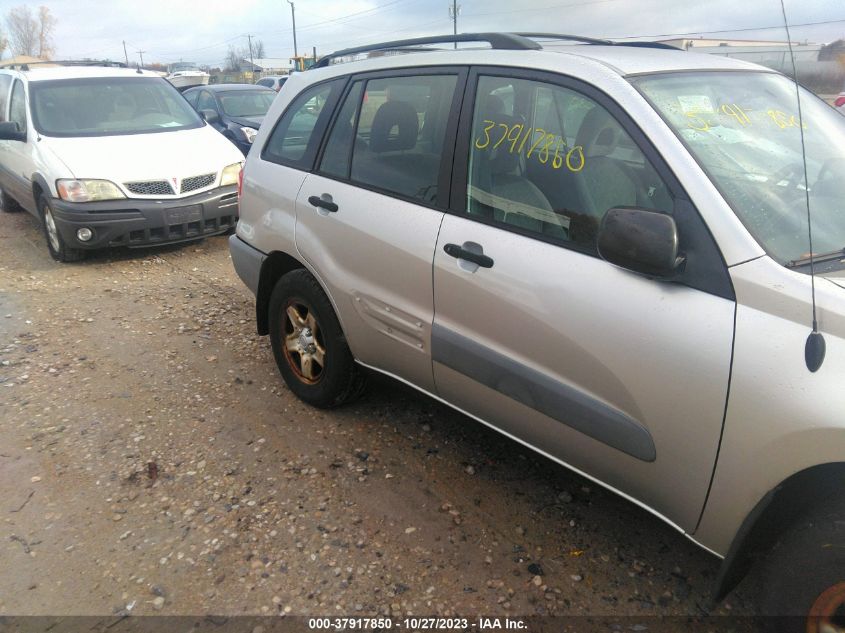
152 461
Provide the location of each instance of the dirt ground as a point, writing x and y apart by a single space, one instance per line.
152 461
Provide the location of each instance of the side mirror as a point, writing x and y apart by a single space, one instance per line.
640 240
210 116
11 131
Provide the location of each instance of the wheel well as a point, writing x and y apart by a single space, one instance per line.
776 513
276 265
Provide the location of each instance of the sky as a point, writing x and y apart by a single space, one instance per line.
202 30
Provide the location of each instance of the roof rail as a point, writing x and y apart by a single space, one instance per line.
502 41
562 36
71 62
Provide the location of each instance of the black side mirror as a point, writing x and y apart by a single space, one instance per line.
640 240
11 131
210 116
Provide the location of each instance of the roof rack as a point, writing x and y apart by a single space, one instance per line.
70 62
501 41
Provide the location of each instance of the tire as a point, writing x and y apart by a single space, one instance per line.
804 575
8 204
308 343
59 250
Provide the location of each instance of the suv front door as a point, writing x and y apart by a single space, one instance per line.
367 220
621 377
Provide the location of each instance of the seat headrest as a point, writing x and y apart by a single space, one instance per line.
394 114
599 133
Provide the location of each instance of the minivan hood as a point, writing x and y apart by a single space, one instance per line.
153 156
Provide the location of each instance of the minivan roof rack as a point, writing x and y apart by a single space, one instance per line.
69 62
501 41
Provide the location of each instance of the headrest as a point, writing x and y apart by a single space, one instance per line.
599 134
502 161
394 114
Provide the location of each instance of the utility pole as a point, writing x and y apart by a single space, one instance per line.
125 54
454 10
141 53
293 19
251 62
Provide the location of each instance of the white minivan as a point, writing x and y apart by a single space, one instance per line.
109 156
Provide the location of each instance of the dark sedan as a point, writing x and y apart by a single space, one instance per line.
236 110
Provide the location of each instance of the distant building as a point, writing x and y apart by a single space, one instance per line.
20 59
267 66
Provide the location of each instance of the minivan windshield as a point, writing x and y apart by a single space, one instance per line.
104 106
743 129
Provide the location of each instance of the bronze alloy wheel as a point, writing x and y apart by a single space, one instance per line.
827 615
304 347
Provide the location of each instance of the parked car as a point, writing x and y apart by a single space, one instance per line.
274 82
839 102
108 156
235 110
601 252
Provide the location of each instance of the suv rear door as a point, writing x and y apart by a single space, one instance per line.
368 218
622 377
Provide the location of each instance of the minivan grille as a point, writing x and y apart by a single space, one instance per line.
150 188
197 182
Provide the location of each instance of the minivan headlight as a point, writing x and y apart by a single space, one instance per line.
88 190
249 133
230 174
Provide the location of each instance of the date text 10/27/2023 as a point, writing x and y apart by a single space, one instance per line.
416 624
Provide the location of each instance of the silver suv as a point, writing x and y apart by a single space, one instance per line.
601 251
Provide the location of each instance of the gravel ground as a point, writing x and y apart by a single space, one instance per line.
152 461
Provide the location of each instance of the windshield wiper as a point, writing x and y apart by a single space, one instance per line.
820 258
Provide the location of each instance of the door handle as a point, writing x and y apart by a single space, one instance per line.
459 252
323 202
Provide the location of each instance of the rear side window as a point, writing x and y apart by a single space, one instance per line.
549 161
5 84
402 126
265 82
295 138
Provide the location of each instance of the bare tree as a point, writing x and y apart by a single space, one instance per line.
258 49
234 56
23 31
4 44
46 24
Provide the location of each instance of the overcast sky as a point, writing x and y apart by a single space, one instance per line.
202 30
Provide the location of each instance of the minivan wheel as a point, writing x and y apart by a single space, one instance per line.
55 244
804 576
308 343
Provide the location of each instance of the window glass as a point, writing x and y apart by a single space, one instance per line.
246 102
293 141
550 161
401 132
192 97
338 152
5 84
206 101
265 82
105 106
17 108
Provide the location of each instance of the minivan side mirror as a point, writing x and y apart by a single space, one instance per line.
11 131
210 116
640 240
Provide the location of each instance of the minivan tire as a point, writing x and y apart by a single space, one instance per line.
309 345
59 250
804 575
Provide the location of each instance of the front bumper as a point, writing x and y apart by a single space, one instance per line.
141 222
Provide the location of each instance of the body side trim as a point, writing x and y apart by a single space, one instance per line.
559 401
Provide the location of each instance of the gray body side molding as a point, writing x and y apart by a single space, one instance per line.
534 389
